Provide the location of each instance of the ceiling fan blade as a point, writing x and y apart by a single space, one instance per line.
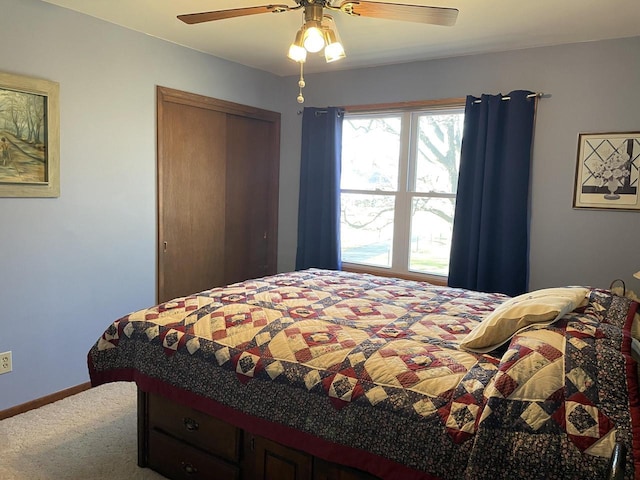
398 11
192 18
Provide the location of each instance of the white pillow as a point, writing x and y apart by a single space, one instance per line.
541 307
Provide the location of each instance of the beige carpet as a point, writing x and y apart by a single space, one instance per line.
91 435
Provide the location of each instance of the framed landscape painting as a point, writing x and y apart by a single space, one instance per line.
607 171
29 137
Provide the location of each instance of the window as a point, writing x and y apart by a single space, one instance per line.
398 188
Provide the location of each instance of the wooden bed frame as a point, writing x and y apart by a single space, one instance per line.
183 443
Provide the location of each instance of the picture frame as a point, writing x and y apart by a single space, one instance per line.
29 137
607 171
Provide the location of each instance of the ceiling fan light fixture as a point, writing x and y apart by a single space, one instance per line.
313 38
334 50
297 52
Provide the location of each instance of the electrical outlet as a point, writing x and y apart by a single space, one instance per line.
5 362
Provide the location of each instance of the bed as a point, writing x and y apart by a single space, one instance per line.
326 374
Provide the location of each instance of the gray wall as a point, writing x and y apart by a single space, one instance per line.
593 87
69 266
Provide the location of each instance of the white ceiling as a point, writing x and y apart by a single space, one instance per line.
261 41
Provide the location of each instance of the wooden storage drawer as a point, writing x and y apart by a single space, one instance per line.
179 461
194 427
272 461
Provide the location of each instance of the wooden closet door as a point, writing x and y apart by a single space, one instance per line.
218 167
191 200
249 220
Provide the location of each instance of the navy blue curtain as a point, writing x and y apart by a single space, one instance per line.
319 204
490 244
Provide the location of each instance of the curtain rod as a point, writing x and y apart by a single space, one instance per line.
319 112
531 95
432 103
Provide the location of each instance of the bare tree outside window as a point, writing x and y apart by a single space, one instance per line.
399 180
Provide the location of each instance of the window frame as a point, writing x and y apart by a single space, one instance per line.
405 190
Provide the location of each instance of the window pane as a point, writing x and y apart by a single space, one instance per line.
431 227
367 228
370 153
438 152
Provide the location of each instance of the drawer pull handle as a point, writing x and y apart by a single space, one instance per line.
190 424
189 469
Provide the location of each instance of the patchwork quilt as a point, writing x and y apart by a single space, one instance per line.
371 367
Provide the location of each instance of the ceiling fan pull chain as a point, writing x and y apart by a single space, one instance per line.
301 83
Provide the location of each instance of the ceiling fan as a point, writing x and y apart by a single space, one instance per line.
319 32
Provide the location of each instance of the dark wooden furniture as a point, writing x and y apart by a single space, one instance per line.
183 443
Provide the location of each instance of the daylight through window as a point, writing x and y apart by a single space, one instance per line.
398 188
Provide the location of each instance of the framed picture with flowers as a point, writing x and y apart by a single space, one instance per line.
607 171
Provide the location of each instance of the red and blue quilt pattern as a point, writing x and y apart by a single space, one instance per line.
373 363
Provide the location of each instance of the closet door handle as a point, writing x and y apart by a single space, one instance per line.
189 469
190 424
